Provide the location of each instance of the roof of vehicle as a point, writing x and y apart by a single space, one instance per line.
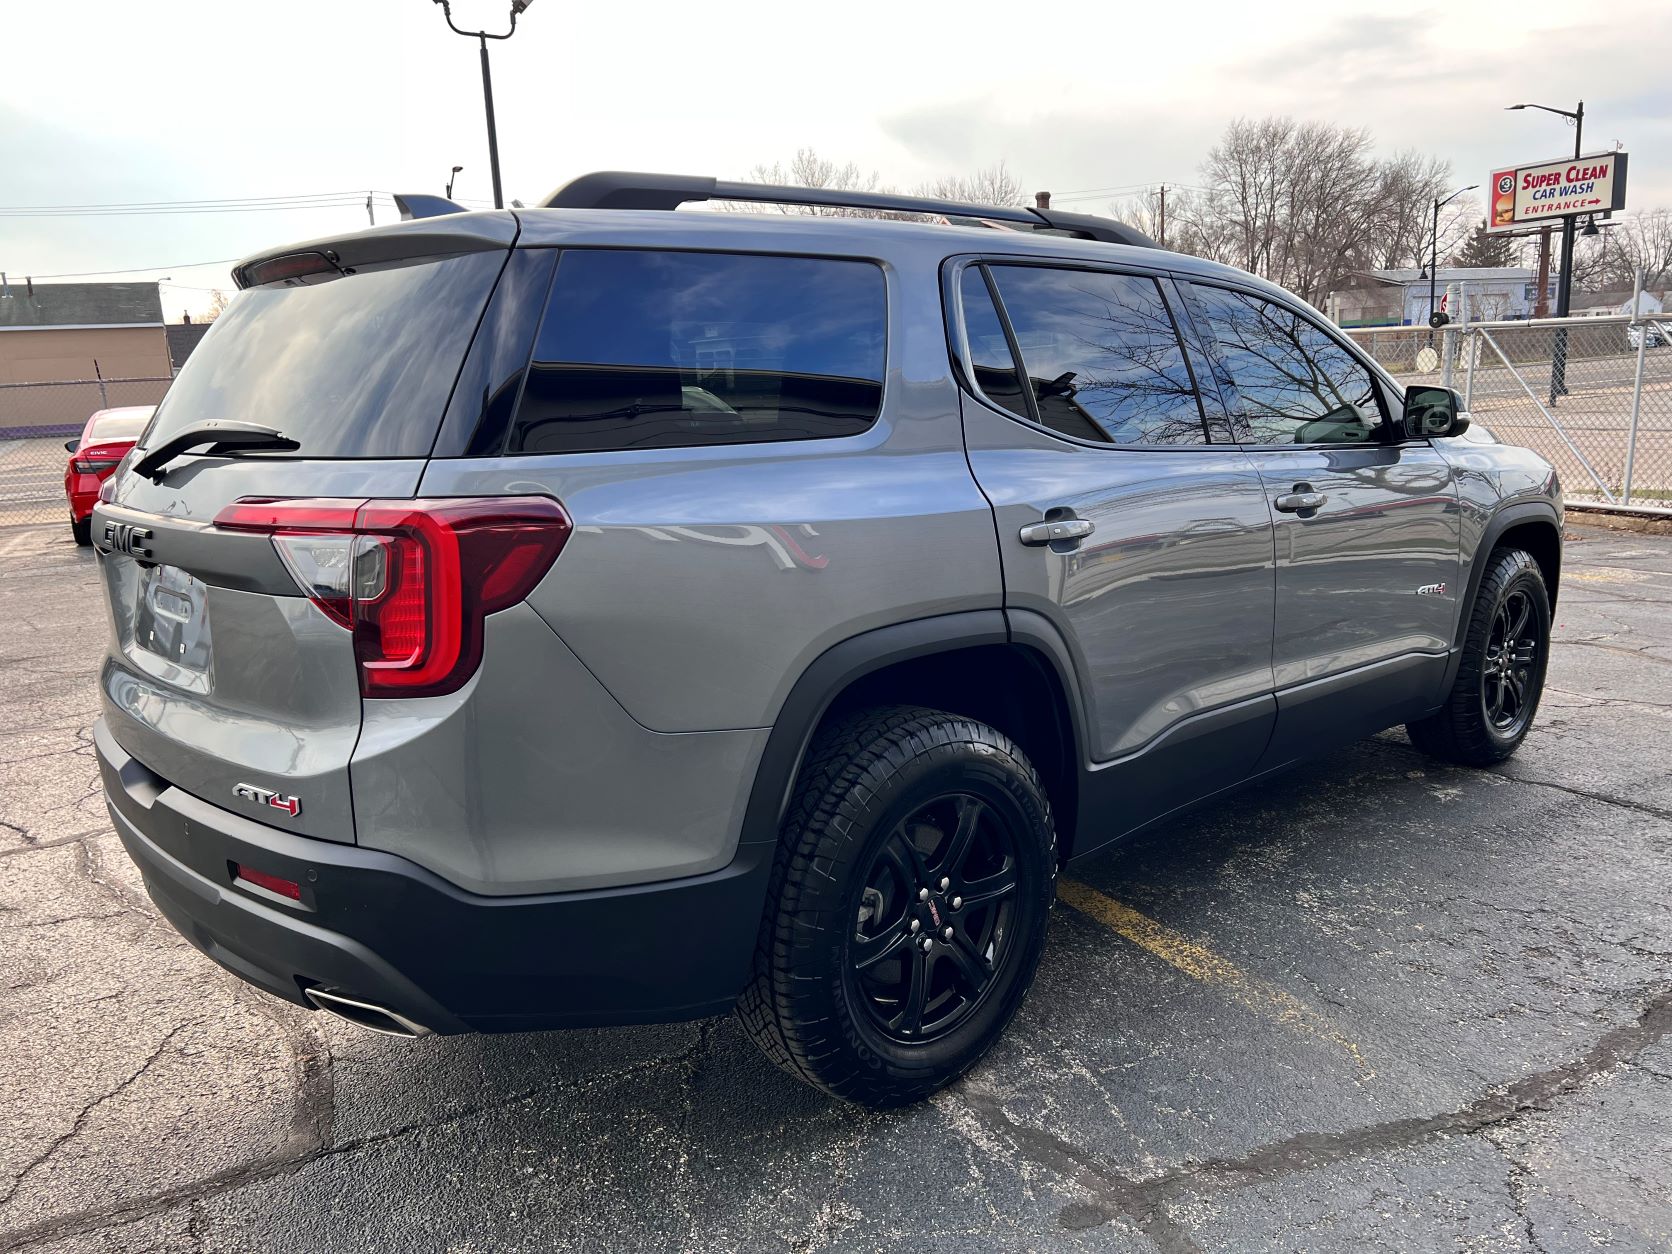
852 236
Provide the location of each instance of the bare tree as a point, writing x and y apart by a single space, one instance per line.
1641 240
991 185
808 169
1308 203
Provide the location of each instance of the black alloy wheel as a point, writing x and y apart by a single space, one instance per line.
933 924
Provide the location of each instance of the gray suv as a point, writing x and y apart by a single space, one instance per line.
596 614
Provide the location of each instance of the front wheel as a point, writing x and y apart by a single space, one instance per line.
908 905
1501 675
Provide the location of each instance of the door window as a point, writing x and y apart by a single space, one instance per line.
1294 382
1102 355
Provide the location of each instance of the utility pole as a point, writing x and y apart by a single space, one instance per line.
1163 240
370 217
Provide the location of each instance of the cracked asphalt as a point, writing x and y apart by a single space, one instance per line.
1378 1004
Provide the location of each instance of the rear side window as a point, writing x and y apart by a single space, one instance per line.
1102 355
361 366
643 349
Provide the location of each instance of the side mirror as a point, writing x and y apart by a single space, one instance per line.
71 446
1434 413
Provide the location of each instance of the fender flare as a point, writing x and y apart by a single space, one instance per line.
826 677
1500 522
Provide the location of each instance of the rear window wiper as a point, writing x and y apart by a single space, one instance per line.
221 437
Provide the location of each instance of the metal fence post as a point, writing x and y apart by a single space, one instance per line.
1636 383
104 396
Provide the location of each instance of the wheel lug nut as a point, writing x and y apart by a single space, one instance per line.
945 883
947 934
916 924
957 903
923 894
926 944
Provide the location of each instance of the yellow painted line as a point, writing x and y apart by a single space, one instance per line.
1202 964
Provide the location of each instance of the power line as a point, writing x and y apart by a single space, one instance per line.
211 200
178 265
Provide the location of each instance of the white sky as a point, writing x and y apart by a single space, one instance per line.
112 100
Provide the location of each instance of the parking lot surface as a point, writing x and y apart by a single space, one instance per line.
1379 1003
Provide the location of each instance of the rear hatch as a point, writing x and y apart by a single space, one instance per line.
222 678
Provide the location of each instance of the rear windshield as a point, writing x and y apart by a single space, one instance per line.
125 424
360 366
642 349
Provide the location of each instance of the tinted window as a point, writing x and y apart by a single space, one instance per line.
663 349
1294 383
995 368
361 366
1102 355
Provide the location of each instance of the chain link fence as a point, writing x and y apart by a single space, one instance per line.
35 420
1591 395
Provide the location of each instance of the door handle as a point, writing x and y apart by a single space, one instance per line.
1300 502
1057 529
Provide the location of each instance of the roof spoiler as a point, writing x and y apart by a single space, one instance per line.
420 205
621 189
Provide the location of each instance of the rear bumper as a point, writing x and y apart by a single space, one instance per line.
377 927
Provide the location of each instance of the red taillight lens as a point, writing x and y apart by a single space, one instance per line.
412 579
272 883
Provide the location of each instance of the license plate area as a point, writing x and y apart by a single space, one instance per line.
171 623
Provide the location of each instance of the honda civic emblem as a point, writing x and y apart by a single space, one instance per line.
266 797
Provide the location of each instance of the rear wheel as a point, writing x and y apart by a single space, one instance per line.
908 905
1501 675
82 530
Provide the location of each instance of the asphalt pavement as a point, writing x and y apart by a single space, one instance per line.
1380 1003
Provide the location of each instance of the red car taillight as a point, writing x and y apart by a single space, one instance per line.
412 580
98 458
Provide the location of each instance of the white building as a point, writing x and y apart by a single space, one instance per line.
1400 297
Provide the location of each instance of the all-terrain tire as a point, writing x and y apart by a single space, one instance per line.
863 777
1464 730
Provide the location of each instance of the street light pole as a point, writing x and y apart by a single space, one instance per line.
1564 284
1434 251
518 7
450 178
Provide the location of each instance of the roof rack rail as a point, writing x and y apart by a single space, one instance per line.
620 189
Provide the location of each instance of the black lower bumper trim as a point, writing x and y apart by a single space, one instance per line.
376 927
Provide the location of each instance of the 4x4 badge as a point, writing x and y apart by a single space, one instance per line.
265 797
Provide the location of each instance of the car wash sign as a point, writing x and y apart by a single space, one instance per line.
1556 189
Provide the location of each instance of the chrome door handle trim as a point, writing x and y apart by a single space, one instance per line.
1300 502
1057 529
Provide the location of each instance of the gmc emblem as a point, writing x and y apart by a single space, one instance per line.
266 797
127 538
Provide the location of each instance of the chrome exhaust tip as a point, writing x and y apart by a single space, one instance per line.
365 1014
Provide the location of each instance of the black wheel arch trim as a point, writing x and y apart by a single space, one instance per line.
1513 515
827 677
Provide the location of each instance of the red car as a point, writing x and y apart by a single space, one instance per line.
104 442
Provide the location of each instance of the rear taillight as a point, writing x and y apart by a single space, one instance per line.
98 458
412 580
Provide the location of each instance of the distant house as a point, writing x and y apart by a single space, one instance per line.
182 338
51 333
1389 298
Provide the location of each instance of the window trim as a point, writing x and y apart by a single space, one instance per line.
890 291
1389 436
963 359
